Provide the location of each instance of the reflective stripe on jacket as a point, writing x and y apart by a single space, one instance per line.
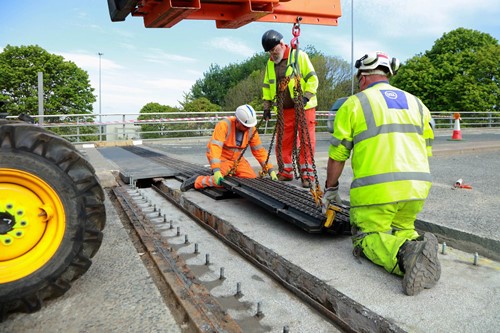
389 135
222 145
308 79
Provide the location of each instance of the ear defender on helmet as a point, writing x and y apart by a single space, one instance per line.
395 64
360 61
377 60
367 60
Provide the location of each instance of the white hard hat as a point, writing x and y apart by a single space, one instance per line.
377 60
246 115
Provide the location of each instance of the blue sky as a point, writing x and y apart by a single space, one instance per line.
142 65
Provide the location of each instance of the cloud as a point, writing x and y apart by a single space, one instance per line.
88 61
160 57
231 45
126 94
418 18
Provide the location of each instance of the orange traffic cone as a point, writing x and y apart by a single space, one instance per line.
457 134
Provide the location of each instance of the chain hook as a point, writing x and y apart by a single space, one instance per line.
296 33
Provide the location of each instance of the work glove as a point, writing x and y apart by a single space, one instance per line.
218 177
331 196
273 175
305 100
267 115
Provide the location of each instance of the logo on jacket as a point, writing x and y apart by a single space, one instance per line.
395 99
391 94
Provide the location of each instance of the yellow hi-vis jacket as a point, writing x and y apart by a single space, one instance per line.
223 147
390 137
308 79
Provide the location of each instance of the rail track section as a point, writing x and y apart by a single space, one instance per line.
214 288
290 203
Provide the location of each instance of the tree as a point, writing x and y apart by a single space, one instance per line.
334 75
66 88
217 81
460 73
202 108
247 91
152 127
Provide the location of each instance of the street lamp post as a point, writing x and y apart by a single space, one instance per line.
352 47
100 114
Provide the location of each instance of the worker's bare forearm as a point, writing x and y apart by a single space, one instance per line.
333 172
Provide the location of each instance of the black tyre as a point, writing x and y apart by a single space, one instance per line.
51 216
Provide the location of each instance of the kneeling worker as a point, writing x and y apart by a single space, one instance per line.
387 132
229 138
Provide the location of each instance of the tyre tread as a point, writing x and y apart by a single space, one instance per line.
18 136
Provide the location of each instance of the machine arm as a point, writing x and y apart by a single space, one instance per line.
228 14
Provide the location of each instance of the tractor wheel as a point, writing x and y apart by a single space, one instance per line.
51 216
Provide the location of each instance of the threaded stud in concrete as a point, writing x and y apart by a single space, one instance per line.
259 310
238 289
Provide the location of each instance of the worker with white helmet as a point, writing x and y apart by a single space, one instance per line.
229 138
387 131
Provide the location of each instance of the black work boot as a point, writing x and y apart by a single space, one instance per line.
418 260
434 244
188 183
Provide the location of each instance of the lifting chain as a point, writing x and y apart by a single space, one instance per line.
305 138
300 119
279 129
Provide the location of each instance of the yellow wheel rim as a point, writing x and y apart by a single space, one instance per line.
32 224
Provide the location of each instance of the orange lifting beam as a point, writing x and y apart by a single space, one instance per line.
232 14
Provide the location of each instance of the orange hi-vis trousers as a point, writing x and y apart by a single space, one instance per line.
244 170
306 156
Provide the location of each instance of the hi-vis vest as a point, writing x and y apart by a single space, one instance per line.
223 146
389 135
308 79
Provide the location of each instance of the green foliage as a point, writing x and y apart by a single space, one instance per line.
247 91
239 84
200 108
459 73
201 104
67 88
74 133
334 76
159 121
217 81
152 127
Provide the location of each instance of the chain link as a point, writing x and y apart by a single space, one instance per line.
303 136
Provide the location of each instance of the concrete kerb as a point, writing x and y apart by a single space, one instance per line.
461 240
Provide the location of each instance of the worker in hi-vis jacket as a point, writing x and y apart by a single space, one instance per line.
229 138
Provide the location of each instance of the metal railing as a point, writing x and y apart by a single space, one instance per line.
131 126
